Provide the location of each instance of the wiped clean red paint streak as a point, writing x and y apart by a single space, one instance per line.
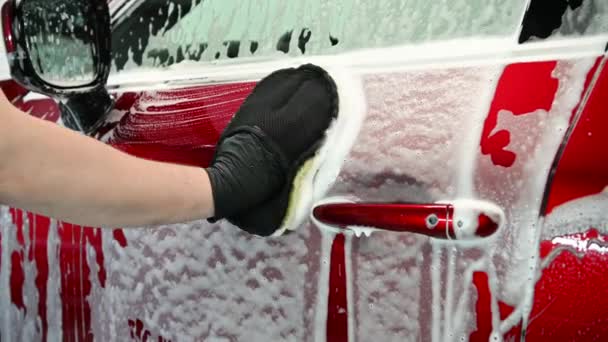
37 252
571 299
119 236
583 167
483 309
17 276
39 233
190 118
17 279
337 306
523 88
75 281
125 101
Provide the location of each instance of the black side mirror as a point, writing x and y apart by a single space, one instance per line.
62 48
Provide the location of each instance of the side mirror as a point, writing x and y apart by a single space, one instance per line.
61 48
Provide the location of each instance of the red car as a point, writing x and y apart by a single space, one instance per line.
492 112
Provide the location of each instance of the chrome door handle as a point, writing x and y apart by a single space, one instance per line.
458 220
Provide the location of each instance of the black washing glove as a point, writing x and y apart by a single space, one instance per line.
279 126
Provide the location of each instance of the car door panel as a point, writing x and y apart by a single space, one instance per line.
526 135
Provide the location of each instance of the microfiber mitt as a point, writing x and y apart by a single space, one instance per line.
268 168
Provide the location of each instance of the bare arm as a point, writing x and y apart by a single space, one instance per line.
53 171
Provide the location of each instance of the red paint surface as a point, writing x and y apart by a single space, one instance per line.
571 298
189 118
522 89
119 236
583 168
75 278
17 279
483 308
337 306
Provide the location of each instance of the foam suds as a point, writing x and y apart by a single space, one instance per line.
30 328
413 125
456 53
19 320
535 156
201 281
578 215
53 286
320 327
325 166
8 243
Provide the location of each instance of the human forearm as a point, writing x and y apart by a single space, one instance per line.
62 174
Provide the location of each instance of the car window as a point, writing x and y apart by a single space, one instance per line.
555 19
159 33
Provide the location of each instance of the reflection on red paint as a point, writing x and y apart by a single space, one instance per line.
535 89
337 306
571 299
583 167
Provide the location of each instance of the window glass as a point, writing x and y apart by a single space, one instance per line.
161 33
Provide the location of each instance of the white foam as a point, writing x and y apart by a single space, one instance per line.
578 215
200 281
455 53
320 327
54 311
340 138
6 307
466 214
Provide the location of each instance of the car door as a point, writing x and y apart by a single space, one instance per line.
497 103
